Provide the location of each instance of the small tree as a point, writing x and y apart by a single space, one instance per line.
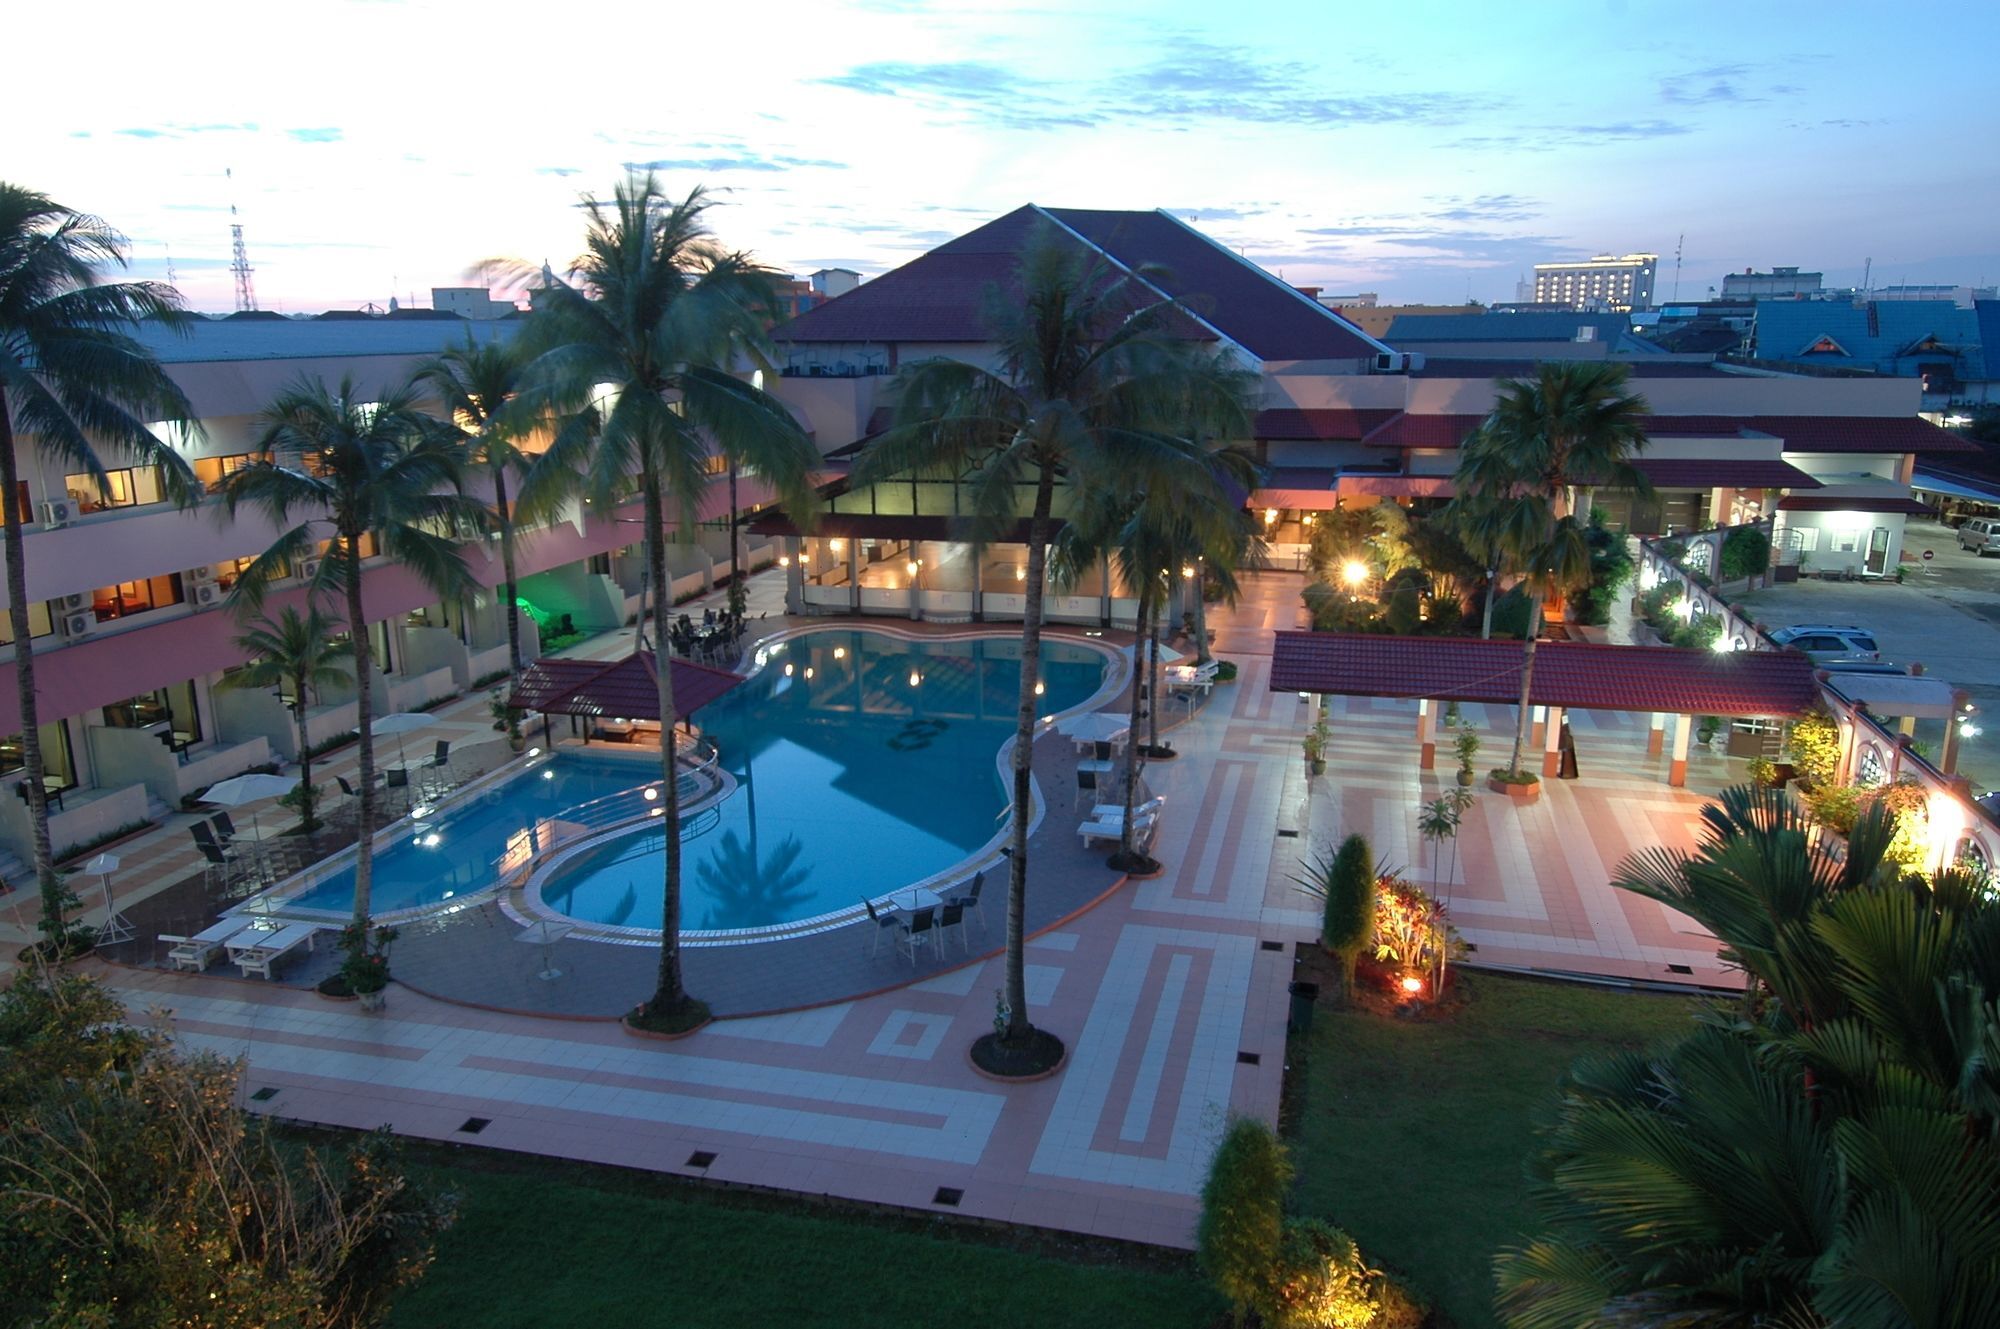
1345 886
1319 1280
298 649
1243 1214
1746 552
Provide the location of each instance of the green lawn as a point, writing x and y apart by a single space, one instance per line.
1411 1136
540 1243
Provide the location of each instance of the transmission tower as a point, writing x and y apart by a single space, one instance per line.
239 263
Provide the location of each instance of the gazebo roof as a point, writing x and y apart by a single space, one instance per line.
1578 674
628 688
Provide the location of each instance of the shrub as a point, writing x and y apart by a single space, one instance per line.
1813 741
1318 1280
1610 569
1345 886
1410 927
333 741
1510 613
1699 633
1746 551
1656 607
1835 806
1225 671
1242 1213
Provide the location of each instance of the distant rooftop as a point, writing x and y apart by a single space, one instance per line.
276 337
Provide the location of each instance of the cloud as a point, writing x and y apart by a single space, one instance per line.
182 131
558 170
985 90
143 133
1489 207
747 162
326 135
1205 81
1211 214
1548 138
1723 85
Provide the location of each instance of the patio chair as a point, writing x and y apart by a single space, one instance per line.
225 829
970 900
883 923
440 758
919 930
1098 829
397 779
952 915
1115 812
1086 782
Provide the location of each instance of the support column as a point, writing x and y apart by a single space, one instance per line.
795 585
1677 773
1656 735
1552 743
853 575
978 582
1426 745
1948 756
1539 717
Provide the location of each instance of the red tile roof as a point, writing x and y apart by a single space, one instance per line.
1404 430
1610 678
1819 503
627 688
1333 424
941 296
1703 473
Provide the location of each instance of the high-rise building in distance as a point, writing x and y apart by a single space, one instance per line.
1622 283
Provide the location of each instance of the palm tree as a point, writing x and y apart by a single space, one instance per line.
1547 442
73 378
342 469
637 365
1091 383
1827 1153
477 382
298 649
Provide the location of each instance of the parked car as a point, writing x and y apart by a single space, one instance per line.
1981 535
1862 667
1826 642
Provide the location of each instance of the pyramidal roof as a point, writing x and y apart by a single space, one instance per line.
940 296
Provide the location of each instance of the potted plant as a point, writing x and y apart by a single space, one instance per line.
506 718
1521 786
1467 744
364 970
1316 741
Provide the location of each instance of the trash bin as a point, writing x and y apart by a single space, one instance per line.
1303 997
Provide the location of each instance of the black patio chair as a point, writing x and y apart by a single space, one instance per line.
952 915
920 929
883 923
225 829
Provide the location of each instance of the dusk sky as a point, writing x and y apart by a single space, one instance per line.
1423 150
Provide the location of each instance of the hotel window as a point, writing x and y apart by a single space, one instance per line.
715 464
173 707
130 487
369 546
137 597
212 471
58 765
40 622
230 571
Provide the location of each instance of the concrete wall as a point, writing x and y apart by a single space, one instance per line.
80 824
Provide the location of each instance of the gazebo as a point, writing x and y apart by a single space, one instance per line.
627 689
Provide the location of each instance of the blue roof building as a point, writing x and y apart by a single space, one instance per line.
1933 340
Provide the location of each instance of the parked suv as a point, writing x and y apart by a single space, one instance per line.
1981 535
1830 641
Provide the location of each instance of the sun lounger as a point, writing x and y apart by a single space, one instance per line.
1115 812
256 952
197 951
1114 830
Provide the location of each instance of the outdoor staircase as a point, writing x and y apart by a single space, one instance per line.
156 808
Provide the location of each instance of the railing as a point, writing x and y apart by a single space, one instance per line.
1739 630
637 803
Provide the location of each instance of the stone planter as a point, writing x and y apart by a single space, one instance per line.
659 1037
372 1003
1523 794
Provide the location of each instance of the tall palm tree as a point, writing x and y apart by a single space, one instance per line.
1547 442
1091 383
637 365
342 469
299 649
477 383
73 378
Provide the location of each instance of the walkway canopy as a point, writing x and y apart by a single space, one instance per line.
1667 679
627 689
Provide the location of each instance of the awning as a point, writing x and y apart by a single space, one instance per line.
627 689
1896 694
1704 473
1298 489
1853 503
905 526
1580 674
1931 483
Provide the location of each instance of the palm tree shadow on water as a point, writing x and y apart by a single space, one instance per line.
746 892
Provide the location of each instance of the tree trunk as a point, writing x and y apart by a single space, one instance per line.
668 994
54 904
737 598
1486 623
507 585
1153 682
1018 1024
1127 834
1201 653
1527 676
305 752
364 716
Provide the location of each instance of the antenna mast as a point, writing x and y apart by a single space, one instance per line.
239 263
172 279
1679 244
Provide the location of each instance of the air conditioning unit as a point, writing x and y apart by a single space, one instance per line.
207 595
79 625
1398 362
58 512
308 568
74 601
201 576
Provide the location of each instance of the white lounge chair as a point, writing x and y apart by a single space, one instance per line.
1091 831
1115 812
196 952
256 952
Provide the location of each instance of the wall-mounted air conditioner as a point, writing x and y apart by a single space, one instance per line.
202 575
308 569
58 512
74 601
207 595
79 625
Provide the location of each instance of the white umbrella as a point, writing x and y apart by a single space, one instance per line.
1093 726
116 927
1168 654
400 723
545 933
253 788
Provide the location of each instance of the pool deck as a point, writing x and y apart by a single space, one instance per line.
1171 992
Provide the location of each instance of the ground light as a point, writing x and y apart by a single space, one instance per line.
1413 985
1354 572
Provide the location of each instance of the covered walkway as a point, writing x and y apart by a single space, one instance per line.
1660 680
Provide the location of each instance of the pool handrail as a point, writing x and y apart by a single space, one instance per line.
597 814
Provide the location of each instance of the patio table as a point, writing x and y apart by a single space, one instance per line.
915 898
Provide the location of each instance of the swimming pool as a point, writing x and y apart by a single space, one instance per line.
863 762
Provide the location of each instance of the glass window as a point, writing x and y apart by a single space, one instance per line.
126 488
171 708
212 471
40 622
137 597
57 762
229 573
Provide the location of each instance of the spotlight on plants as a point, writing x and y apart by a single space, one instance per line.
1354 572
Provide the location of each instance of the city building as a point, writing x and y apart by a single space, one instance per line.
835 282
1947 347
1541 335
1623 283
795 297
132 641
473 302
1701 327
1961 296
1375 319
1778 283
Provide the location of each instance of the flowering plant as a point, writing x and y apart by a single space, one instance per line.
366 968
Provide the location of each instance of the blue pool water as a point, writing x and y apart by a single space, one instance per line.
454 855
852 780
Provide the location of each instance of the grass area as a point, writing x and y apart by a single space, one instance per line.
541 1243
1411 1135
